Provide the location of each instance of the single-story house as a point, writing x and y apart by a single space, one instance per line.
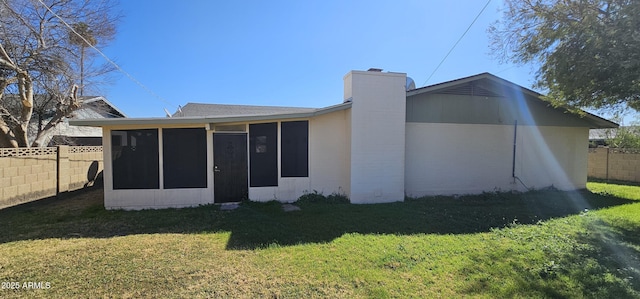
601 137
385 141
92 107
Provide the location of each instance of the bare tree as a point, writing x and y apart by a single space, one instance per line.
42 58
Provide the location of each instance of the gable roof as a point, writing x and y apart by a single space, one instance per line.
489 85
102 106
202 110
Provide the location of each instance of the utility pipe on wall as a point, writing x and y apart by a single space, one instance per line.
513 162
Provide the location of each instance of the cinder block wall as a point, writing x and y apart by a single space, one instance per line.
28 174
85 164
614 164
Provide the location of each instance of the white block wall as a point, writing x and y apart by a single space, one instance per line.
329 164
377 135
472 158
288 190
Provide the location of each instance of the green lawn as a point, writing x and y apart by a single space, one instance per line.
538 244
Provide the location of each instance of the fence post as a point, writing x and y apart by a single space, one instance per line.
607 172
63 169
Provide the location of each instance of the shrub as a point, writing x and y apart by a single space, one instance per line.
338 198
318 197
312 197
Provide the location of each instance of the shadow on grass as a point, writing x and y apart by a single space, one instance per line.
600 261
254 225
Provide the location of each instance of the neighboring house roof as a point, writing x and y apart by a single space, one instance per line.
602 134
70 140
200 109
488 85
91 107
95 103
284 113
102 106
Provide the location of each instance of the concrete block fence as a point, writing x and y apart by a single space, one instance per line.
614 164
28 174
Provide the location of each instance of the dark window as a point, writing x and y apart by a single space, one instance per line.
134 155
294 161
263 153
185 158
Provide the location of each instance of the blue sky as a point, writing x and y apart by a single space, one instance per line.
290 53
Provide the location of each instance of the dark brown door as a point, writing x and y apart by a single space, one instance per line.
230 167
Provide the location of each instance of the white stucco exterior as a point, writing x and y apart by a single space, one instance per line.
329 168
471 158
377 135
371 149
329 157
330 153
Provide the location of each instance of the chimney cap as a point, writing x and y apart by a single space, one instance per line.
374 70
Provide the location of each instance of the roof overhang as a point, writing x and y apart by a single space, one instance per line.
595 122
204 120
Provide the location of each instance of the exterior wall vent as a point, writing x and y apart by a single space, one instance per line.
470 89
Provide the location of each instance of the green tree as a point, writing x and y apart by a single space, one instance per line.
587 51
625 137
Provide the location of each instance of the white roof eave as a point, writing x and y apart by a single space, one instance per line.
202 120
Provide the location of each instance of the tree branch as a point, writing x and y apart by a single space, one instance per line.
5 59
62 111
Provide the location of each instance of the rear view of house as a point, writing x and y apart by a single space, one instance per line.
384 141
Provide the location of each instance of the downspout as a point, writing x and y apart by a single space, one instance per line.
607 169
513 161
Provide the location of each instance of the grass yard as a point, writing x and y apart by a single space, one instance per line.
538 244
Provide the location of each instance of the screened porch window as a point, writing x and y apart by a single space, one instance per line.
263 154
134 157
295 149
185 158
